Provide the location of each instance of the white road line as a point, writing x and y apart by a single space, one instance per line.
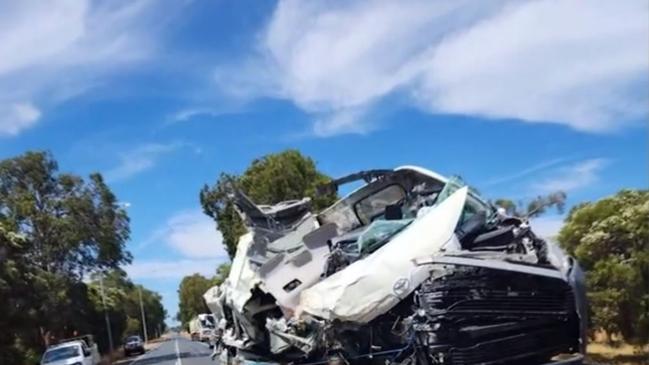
178 361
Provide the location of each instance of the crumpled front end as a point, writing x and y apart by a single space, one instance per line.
410 268
370 287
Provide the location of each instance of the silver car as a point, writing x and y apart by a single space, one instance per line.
133 345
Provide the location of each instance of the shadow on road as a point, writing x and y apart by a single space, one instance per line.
169 357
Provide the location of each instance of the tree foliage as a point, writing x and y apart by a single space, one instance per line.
69 226
122 298
55 228
268 180
610 238
191 290
190 297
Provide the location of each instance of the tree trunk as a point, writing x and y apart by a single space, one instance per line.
45 336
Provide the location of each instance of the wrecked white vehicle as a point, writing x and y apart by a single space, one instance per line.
411 268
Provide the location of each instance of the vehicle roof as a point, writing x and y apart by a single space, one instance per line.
65 344
423 171
417 169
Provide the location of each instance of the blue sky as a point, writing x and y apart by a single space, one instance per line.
520 98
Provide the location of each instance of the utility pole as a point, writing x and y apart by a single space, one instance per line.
139 290
103 301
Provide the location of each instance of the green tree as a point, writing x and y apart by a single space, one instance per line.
123 306
54 229
610 238
155 312
190 295
222 272
268 180
69 226
14 291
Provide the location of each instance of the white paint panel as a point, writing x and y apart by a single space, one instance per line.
366 288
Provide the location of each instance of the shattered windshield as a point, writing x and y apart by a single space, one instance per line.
383 226
379 232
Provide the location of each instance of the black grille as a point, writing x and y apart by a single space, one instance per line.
486 316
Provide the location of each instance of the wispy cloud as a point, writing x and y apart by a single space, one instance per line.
172 269
55 50
194 235
525 172
139 159
576 176
349 120
196 245
191 234
191 113
552 61
16 117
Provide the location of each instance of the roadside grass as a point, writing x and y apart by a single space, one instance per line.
624 354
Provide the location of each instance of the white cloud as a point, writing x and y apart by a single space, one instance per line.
525 172
139 159
191 234
172 269
16 117
348 120
560 61
194 235
572 177
584 65
197 247
51 51
191 113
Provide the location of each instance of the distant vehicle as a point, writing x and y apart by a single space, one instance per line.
133 344
79 350
203 328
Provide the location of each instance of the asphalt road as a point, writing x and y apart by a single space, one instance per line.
175 351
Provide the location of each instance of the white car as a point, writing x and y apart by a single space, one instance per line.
70 353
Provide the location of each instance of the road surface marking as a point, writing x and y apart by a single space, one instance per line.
178 361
